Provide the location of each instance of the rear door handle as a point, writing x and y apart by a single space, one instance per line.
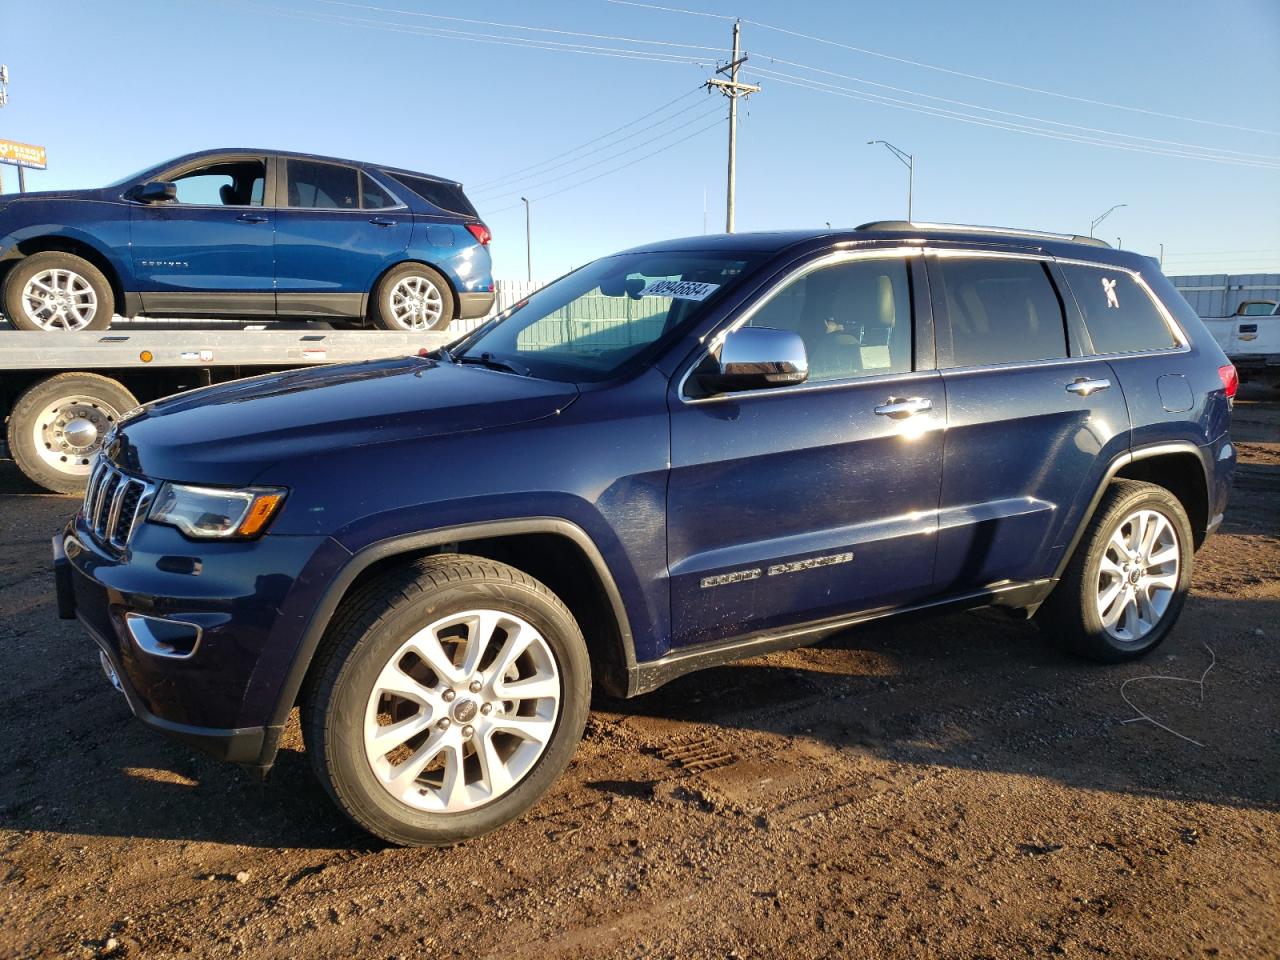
904 408
1084 386
252 218
383 221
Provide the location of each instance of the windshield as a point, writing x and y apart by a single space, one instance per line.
618 311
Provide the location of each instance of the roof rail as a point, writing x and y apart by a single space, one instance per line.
970 228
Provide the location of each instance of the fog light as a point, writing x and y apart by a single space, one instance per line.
163 638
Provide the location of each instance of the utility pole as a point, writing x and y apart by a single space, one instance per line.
1162 256
528 242
732 89
4 101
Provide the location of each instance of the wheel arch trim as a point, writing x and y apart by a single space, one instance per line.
410 543
1131 456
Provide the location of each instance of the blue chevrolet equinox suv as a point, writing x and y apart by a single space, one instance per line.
247 234
686 453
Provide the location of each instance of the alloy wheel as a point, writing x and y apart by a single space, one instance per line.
416 303
1138 575
59 299
462 711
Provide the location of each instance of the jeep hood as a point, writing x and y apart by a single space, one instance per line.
231 433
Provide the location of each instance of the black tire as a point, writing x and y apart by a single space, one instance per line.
37 442
28 267
381 311
366 633
1070 616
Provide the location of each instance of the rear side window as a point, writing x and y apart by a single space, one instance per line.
1120 315
447 196
323 185
372 196
1001 311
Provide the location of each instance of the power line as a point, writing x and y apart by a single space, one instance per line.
516 173
952 72
514 26
1008 125
1009 113
524 187
474 37
600 176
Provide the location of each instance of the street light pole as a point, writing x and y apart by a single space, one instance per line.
528 244
1097 220
909 162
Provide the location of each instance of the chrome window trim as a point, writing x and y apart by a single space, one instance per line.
830 259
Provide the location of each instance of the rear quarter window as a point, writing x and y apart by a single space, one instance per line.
1118 312
447 196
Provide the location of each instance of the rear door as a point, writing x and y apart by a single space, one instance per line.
338 229
800 503
1032 421
209 251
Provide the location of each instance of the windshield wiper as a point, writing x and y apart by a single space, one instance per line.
487 359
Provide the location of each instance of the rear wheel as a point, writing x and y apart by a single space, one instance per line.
57 425
448 697
1129 577
412 296
59 293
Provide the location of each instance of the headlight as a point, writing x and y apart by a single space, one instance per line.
216 513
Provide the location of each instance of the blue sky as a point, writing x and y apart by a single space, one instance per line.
133 83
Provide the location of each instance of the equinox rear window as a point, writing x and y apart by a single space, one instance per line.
447 196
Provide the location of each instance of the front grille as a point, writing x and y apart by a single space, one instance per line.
115 503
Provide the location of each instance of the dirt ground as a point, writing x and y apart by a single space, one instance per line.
944 788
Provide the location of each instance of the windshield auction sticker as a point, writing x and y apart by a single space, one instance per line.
680 289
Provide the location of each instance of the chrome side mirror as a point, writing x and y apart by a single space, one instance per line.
756 358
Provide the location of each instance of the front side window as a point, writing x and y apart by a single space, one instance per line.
1001 311
592 324
327 186
854 318
1120 315
228 183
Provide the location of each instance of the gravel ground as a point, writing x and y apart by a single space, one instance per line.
943 788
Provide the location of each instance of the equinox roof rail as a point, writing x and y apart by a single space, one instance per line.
970 228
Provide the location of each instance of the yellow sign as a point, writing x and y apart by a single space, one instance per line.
22 154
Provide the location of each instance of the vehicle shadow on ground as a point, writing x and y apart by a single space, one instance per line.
973 692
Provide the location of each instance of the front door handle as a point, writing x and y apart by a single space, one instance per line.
904 408
1084 386
252 218
383 221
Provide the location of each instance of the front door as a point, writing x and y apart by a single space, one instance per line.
802 503
1033 421
210 251
339 231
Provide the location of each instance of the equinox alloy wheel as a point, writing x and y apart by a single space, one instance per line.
412 297
447 696
1128 579
57 293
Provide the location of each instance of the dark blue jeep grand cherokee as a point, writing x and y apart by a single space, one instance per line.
247 233
686 453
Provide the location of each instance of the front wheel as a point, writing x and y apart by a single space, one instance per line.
447 697
58 293
412 296
1128 580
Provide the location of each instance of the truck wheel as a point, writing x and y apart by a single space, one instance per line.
447 696
57 426
1129 577
412 296
57 292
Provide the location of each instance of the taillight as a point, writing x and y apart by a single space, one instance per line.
481 233
1230 380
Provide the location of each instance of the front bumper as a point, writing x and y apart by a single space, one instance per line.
242 600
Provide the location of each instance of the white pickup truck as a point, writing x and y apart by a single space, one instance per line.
1251 340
